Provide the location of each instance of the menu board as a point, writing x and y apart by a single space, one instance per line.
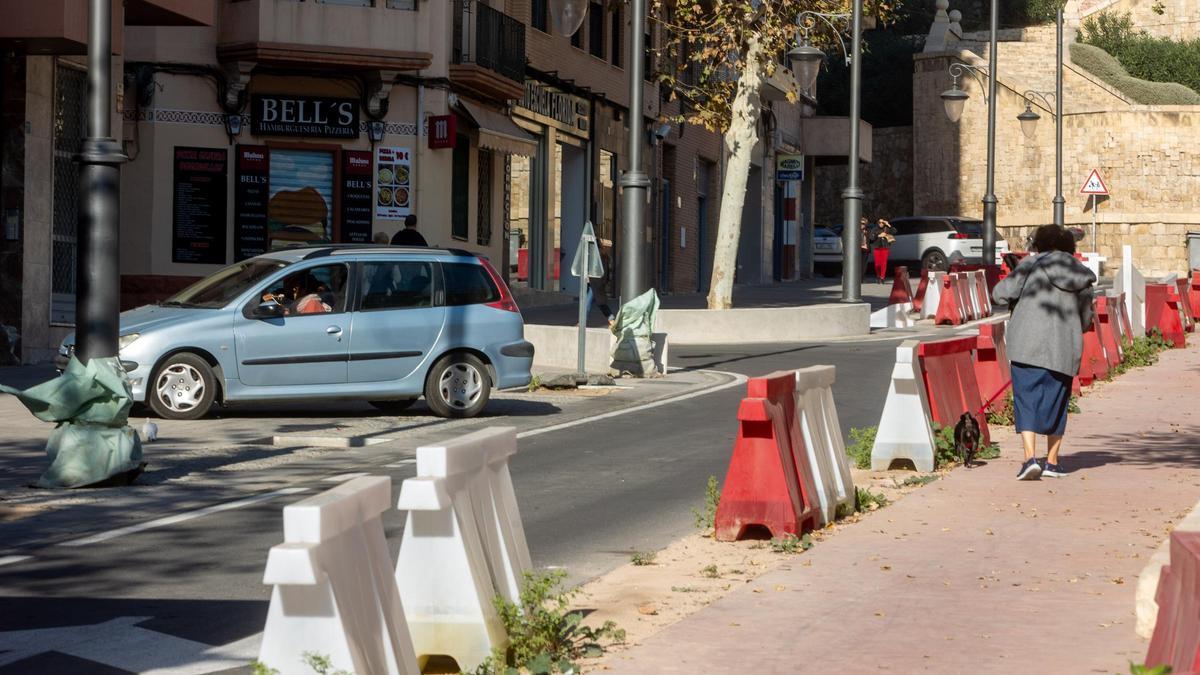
356 197
393 183
198 225
250 196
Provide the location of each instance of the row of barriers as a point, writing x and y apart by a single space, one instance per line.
788 473
337 593
963 294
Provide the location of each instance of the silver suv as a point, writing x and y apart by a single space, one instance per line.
933 242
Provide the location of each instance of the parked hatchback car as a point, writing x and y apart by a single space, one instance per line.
382 324
827 250
930 242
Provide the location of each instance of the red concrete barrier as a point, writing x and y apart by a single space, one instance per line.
901 288
1162 312
1094 361
919 298
1176 640
1194 293
950 382
763 487
992 371
1107 332
981 292
949 309
1185 305
965 297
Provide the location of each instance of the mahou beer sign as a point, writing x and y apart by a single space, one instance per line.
311 116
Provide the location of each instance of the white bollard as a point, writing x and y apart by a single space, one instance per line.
1131 282
904 430
892 316
334 591
933 295
818 419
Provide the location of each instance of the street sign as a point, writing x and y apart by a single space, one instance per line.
789 167
1094 185
587 256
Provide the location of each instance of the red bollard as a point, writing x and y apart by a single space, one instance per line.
901 288
950 382
1094 360
919 300
1162 312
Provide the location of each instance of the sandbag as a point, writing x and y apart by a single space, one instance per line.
633 350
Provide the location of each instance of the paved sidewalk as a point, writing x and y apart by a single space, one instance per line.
976 572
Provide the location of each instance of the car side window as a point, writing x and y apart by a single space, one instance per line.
905 227
396 284
468 284
315 290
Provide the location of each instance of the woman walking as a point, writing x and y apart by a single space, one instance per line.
1050 298
883 236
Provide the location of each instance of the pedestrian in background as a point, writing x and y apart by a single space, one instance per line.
409 235
1049 296
883 236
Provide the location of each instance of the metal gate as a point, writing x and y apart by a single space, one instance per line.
70 91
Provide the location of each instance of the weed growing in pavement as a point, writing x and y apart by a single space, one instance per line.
535 383
862 441
259 668
1135 669
643 558
712 499
916 481
865 500
944 452
685 589
989 452
843 511
544 636
1073 405
790 543
710 572
1003 414
321 664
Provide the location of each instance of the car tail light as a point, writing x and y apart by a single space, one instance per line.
506 302
960 235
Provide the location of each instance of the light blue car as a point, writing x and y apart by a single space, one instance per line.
383 324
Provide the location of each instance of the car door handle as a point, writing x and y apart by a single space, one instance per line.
334 330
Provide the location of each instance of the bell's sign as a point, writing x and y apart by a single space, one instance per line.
304 116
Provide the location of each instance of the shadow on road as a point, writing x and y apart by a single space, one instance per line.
727 358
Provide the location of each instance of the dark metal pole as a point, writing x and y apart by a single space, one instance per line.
852 272
98 275
989 197
634 182
1059 202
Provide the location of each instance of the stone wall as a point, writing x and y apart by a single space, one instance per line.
886 181
1144 154
1177 19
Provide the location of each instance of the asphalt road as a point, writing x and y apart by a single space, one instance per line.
191 591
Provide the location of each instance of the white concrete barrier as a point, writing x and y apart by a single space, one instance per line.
334 593
1145 604
752 325
893 316
904 430
1131 282
819 424
933 295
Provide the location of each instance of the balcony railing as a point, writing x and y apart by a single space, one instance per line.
489 39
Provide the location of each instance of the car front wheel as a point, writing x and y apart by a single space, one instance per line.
183 388
935 260
458 386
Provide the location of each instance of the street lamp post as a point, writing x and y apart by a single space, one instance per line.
97 300
806 62
1029 119
634 182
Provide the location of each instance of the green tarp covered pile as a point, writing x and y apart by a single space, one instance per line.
92 441
633 352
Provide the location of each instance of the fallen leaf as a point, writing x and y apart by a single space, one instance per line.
878 613
757 590
989 532
648 610
885 567
1118 580
781 588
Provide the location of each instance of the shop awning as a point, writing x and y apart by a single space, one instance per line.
498 132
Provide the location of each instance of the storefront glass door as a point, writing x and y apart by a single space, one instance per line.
300 211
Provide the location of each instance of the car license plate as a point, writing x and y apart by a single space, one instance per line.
824 247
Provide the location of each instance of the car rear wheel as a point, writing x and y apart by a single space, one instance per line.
458 386
935 260
183 388
393 407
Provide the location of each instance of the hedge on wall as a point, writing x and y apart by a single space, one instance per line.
1102 64
1142 55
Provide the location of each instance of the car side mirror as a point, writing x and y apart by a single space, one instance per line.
267 310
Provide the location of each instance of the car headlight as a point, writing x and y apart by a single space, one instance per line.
126 340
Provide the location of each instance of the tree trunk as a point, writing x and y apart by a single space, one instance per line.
740 140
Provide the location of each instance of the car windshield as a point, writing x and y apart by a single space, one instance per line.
825 232
218 290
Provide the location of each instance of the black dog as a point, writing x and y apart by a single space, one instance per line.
966 438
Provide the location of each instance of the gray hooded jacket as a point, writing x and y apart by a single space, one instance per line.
1050 297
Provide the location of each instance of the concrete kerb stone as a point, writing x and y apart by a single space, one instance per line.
756 325
557 347
905 429
1145 602
334 593
817 415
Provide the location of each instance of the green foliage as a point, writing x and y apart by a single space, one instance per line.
643 558
944 452
685 589
1148 69
790 543
712 499
710 572
259 668
1002 413
991 451
1073 405
1135 669
917 481
535 383
321 664
865 500
862 441
544 635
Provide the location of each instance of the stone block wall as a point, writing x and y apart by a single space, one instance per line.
886 180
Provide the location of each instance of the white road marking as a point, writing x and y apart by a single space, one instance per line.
181 517
343 477
401 463
11 559
738 379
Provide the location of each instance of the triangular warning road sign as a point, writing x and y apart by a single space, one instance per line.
1094 185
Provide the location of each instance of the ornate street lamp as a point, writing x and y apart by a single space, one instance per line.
806 65
955 99
1029 118
566 16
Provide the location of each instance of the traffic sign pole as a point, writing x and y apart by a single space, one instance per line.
580 366
1094 186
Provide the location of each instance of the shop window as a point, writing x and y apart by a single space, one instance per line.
300 206
614 36
483 221
460 189
596 30
396 285
520 198
70 89
539 15
607 231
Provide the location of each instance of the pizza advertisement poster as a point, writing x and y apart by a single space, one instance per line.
393 183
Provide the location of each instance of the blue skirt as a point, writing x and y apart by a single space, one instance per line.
1040 399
